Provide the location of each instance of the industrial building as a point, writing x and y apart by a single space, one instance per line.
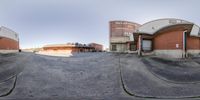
97 47
67 48
168 37
121 37
9 40
71 48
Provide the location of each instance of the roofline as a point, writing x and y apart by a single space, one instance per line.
3 27
143 33
94 43
136 33
124 21
169 27
165 19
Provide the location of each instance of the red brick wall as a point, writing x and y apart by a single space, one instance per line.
193 43
96 46
168 40
118 28
8 44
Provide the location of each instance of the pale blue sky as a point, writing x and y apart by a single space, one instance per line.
41 22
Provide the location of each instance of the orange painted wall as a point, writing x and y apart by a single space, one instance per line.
71 49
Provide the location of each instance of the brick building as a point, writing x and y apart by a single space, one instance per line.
168 37
9 41
67 48
121 37
70 48
97 47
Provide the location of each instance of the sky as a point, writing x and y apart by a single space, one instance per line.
41 22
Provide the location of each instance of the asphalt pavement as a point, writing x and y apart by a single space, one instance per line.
140 81
88 76
82 76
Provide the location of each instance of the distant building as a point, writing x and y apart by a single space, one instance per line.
67 48
9 40
97 47
121 36
71 48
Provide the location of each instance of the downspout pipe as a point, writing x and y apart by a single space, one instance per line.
140 45
184 44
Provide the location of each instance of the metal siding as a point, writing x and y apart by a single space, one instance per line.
153 26
194 31
5 32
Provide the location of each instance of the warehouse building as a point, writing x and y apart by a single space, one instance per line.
67 48
96 47
9 41
121 37
168 37
70 48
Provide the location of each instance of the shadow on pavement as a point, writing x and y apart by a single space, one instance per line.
10 66
175 70
139 81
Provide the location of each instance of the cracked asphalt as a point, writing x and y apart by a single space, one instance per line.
175 70
90 76
82 76
140 81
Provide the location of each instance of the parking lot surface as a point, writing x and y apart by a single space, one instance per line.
87 76
143 77
84 75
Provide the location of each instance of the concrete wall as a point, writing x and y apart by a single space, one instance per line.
121 47
56 51
169 53
193 52
8 51
119 39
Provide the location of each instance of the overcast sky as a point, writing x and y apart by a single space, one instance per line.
41 22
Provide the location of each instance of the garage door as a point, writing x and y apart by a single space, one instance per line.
146 45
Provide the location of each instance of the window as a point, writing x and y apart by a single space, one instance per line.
114 48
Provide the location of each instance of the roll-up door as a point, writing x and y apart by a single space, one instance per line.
146 45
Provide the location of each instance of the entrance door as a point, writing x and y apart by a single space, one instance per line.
132 47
